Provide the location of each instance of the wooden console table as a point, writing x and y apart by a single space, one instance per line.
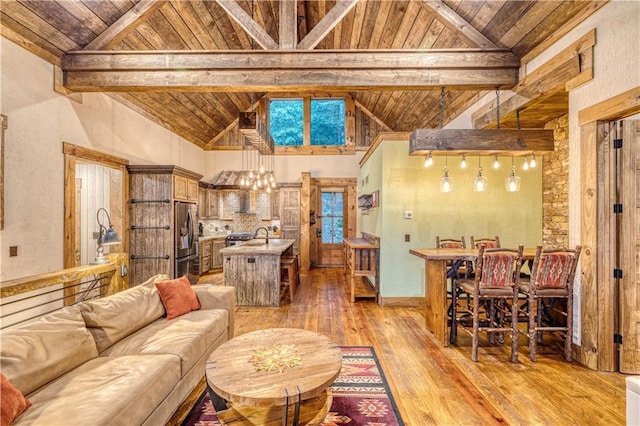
362 260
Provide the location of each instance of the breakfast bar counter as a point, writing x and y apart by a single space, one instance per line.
253 268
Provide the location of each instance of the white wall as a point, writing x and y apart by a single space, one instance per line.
288 168
39 121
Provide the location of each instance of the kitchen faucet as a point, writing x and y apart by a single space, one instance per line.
266 231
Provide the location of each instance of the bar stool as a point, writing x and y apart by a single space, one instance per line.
289 274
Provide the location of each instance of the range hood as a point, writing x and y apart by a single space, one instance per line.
245 201
230 179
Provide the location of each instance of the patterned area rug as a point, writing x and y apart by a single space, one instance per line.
361 395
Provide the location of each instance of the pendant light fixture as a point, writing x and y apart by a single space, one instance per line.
463 163
428 160
479 182
446 183
532 162
259 173
496 163
512 183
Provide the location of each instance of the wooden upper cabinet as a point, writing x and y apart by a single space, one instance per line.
213 203
208 202
185 189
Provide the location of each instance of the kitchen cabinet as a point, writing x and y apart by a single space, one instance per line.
208 202
152 192
289 198
216 257
185 189
275 204
210 257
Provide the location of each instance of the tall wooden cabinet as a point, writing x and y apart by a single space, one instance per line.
153 191
289 199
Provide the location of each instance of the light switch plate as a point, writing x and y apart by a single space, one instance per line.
408 214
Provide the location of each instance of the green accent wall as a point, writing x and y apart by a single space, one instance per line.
404 184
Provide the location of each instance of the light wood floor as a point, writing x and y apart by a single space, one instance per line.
433 384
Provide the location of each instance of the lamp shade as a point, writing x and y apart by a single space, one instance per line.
110 237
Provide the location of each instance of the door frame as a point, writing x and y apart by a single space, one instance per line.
72 155
597 290
349 185
334 189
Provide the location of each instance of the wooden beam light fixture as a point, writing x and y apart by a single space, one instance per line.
256 132
484 142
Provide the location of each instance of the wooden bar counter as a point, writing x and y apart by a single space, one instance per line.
253 268
435 284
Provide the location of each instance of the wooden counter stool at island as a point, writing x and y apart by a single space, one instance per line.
275 376
362 261
290 275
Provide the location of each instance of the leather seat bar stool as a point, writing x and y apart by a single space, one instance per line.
551 280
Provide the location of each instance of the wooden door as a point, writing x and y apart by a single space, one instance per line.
331 226
628 246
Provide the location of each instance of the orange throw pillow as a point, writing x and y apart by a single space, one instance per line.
177 297
13 402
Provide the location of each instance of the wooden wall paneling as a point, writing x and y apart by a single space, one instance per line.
629 301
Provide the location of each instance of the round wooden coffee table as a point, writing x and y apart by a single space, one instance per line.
288 368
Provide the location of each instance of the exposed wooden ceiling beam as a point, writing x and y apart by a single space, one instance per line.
470 69
248 24
288 25
456 23
545 81
124 25
330 20
479 141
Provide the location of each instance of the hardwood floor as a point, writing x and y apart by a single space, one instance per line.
433 384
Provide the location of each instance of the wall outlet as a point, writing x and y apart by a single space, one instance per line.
408 214
13 251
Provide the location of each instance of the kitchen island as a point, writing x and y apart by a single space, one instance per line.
253 268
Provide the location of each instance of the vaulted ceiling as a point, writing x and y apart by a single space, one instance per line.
193 65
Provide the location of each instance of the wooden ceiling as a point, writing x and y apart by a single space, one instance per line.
193 65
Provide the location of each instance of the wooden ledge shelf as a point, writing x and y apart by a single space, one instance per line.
361 261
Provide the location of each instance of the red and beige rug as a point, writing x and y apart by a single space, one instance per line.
361 395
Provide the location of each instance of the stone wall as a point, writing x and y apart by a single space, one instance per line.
555 187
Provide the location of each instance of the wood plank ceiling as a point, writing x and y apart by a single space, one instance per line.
53 29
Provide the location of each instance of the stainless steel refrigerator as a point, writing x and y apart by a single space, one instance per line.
186 241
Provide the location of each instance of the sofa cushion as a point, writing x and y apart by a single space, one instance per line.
13 402
105 391
177 297
187 336
111 318
36 352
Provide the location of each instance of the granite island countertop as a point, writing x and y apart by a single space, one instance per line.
258 247
212 237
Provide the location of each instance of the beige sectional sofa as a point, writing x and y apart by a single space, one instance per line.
116 360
